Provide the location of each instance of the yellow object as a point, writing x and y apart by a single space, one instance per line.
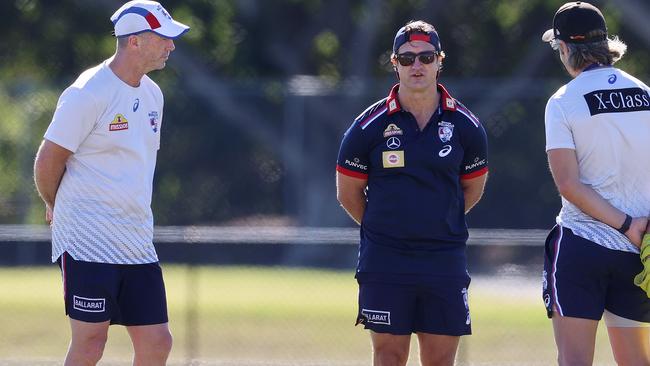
645 247
643 279
646 239
393 159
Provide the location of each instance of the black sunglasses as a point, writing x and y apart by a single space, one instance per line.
408 58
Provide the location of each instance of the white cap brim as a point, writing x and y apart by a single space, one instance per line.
171 29
548 35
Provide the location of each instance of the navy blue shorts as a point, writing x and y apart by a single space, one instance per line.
435 307
126 294
582 279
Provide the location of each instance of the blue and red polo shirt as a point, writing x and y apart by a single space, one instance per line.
415 203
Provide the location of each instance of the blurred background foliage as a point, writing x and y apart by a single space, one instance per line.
258 94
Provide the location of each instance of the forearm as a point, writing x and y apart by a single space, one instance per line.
355 207
49 167
564 166
473 190
47 181
593 204
472 196
351 193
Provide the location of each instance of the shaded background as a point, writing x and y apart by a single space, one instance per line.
257 97
259 93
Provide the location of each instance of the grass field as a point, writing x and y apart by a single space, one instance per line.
272 316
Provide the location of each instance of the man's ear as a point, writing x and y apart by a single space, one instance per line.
564 49
393 61
134 41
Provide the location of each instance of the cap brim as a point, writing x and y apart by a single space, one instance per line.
172 29
548 35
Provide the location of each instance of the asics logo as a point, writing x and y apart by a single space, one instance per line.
444 151
612 79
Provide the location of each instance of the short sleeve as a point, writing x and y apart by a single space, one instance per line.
558 130
160 126
74 119
475 157
160 101
353 159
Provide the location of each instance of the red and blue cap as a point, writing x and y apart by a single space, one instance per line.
139 16
404 36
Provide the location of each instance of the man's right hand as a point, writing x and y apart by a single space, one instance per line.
637 230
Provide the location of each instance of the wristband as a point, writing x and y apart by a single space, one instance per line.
626 224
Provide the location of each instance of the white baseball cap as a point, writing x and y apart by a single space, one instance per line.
139 16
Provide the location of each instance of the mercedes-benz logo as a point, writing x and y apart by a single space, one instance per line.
393 143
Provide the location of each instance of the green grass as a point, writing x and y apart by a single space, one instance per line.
246 315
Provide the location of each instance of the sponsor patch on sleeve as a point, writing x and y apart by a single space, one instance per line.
356 163
477 163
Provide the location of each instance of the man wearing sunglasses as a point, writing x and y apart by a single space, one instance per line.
597 130
409 168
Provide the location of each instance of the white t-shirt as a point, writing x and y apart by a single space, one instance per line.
604 115
102 211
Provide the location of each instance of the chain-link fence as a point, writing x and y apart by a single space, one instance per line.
264 154
281 296
257 97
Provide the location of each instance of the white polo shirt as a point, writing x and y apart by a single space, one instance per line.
604 115
102 211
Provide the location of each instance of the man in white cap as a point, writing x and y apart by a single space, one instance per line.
94 171
597 129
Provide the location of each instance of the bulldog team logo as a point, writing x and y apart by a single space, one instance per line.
445 131
153 121
118 123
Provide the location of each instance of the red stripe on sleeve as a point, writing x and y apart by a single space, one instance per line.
351 173
475 174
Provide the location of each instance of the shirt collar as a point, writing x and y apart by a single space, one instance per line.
447 102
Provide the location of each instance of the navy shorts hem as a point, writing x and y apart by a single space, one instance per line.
124 294
582 279
438 307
